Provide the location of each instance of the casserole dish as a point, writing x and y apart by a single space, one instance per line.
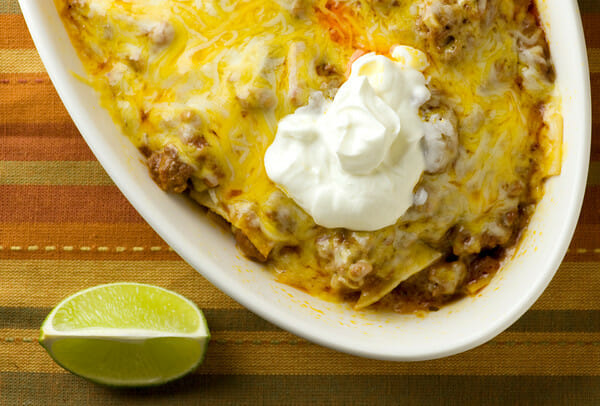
456 327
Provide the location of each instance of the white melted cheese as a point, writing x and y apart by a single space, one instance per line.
353 162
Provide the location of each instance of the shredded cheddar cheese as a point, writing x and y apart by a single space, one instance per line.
199 88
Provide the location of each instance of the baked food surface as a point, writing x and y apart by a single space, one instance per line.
199 88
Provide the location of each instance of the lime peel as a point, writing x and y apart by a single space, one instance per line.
126 334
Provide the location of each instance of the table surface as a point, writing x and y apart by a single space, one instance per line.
64 226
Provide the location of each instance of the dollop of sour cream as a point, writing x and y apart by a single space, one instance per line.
354 161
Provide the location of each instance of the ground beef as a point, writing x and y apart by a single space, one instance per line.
449 27
483 266
167 170
443 282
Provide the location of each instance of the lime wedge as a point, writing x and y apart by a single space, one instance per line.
126 334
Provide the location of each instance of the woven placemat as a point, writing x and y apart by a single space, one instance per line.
64 226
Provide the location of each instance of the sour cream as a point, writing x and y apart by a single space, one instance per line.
354 161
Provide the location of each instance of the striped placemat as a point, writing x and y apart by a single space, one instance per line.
64 226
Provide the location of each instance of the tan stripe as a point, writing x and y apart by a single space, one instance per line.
102 241
594 174
83 252
280 353
20 61
53 173
30 280
594 59
575 287
9 7
137 240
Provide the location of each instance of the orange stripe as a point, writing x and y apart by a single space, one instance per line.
94 204
590 214
30 98
15 33
56 204
43 142
587 236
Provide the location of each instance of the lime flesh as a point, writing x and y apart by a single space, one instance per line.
126 334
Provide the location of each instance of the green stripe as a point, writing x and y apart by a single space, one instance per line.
588 6
594 173
67 173
10 7
22 317
570 321
382 390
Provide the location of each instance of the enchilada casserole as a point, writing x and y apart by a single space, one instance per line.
199 87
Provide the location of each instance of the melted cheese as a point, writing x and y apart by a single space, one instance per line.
170 71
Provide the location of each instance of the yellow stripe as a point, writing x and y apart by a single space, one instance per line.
575 286
46 282
53 173
280 353
20 61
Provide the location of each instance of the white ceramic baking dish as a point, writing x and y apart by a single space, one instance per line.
455 328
